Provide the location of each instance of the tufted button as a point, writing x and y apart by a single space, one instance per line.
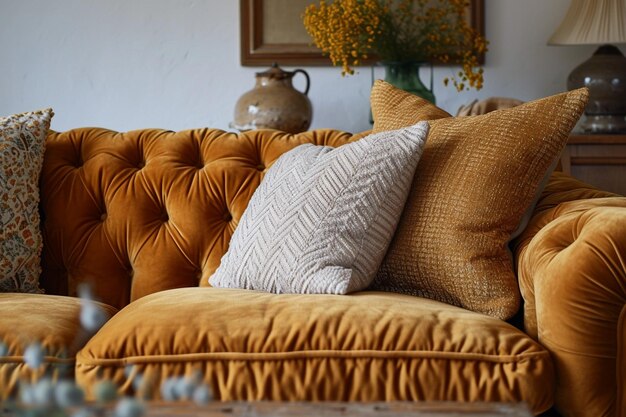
165 217
260 167
103 217
199 275
141 164
227 217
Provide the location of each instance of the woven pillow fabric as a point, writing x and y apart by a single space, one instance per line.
476 178
22 139
322 218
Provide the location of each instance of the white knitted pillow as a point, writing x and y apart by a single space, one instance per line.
322 218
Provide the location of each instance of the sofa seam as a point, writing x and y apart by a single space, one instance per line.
46 360
309 355
555 345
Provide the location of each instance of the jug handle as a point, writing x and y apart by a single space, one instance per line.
308 80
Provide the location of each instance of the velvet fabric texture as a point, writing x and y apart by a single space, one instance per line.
475 181
367 346
133 195
571 262
105 200
53 322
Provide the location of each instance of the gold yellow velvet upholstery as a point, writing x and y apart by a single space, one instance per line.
571 263
139 212
363 347
53 322
144 211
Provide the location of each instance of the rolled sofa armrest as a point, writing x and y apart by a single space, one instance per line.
571 264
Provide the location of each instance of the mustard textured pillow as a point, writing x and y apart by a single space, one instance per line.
474 182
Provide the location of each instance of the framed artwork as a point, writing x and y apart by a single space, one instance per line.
272 31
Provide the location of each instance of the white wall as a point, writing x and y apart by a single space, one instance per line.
129 64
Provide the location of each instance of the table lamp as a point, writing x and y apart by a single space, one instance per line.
598 22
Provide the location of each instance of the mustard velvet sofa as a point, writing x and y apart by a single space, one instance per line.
144 218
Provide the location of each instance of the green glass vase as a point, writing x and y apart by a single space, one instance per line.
406 76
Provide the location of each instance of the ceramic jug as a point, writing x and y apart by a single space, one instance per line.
274 103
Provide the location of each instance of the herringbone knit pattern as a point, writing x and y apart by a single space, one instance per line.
321 220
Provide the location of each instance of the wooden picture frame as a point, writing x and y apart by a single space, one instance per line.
266 39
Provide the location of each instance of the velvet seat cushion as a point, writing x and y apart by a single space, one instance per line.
369 346
49 320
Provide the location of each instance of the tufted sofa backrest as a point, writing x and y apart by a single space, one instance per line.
148 210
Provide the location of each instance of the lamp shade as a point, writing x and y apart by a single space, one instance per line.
592 22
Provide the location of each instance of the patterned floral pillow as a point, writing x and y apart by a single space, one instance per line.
22 138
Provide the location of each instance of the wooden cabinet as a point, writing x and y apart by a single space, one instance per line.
599 160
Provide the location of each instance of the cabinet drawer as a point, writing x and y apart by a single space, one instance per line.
599 160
